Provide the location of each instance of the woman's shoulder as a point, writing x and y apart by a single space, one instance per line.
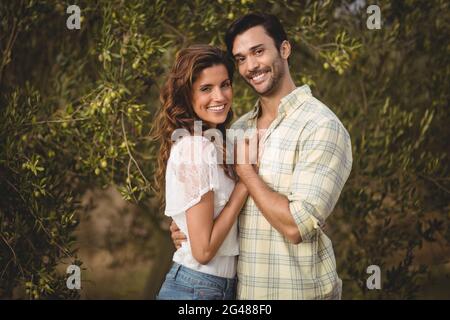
190 147
190 141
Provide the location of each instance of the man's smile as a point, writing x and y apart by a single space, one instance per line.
259 77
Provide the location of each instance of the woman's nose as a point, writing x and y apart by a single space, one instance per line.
218 95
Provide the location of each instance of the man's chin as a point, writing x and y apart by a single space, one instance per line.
267 90
262 90
259 90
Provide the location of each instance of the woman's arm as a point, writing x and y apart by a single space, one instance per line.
205 233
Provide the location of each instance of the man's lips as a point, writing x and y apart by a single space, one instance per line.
258 77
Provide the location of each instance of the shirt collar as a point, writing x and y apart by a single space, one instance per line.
287 103
294 99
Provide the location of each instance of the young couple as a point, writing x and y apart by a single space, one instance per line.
304 158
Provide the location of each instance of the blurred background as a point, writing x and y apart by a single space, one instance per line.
77 162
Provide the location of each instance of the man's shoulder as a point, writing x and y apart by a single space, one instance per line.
315 114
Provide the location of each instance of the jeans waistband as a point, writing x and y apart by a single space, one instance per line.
225 283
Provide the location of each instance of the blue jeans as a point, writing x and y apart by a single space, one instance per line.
186 284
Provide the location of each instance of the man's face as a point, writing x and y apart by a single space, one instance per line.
258 60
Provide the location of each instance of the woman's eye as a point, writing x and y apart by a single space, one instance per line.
206 89
226 85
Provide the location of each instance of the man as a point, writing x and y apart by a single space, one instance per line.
304 160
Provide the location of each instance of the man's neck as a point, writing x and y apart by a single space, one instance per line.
270 104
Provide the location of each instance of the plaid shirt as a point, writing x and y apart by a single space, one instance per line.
307 158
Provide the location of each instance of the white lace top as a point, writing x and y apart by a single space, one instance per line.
192 171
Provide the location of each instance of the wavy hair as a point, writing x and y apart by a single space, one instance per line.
177 111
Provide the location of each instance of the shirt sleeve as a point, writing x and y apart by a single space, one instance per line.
324 164
192 171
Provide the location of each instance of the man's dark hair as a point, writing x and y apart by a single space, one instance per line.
269 22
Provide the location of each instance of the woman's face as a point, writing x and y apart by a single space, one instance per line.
212 95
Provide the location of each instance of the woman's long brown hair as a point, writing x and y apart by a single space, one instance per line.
177 111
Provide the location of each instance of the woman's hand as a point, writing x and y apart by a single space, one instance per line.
246 156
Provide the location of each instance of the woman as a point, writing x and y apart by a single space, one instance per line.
201 194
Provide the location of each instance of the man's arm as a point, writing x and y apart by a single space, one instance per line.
273 206
318 178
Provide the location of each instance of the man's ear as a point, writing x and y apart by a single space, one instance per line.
285 49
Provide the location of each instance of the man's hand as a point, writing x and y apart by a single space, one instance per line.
177 236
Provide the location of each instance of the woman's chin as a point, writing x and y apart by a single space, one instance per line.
216 122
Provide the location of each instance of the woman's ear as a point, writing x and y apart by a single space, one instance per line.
285 49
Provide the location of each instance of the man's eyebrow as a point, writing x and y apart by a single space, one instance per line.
256 47
251 49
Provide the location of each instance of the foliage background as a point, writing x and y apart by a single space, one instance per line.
76 109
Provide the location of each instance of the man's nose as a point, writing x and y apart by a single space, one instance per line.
252 63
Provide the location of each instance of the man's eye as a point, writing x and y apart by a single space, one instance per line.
240 60
259 52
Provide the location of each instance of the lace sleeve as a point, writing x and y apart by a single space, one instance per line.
191 172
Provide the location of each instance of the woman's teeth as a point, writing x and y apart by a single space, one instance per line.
216 108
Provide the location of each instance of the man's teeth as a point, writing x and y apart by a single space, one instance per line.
217 108
259 76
